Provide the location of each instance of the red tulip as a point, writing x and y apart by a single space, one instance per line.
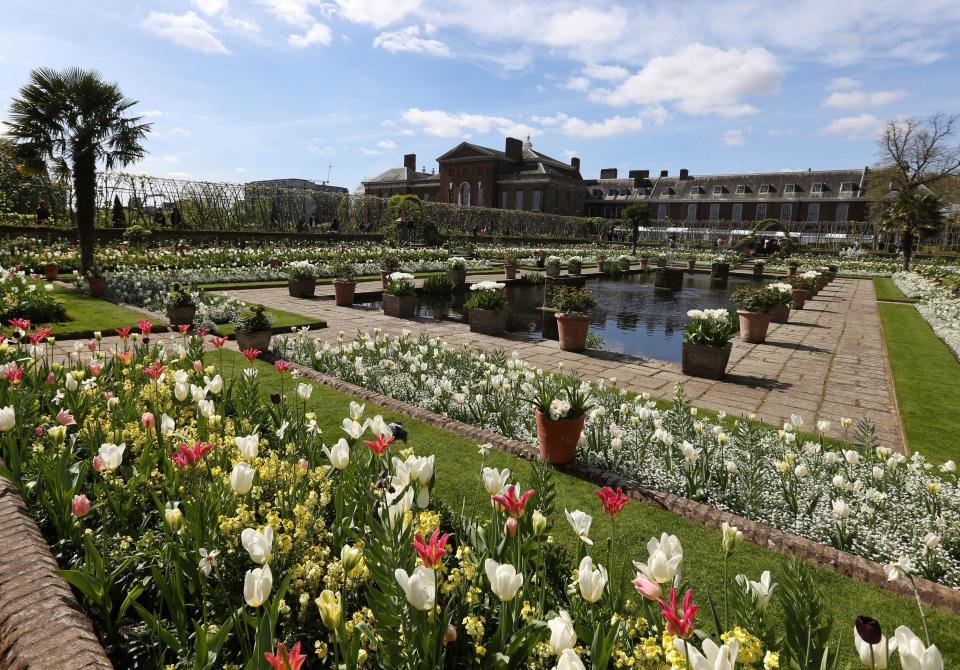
155 370
431 552
145 326
190 455
218 342
679 621
251 354
380 444
613 501
285 660
509 501
282 365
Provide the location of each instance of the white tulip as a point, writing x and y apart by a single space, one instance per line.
258 544
257 585
823 426
914 654
249 445
562 634
379 427
356 410
304 391
569 661
339 455
761 590
181 391
8 418
167 425
931 541
580 522
206 408
714 657
420 588
494 481
505 581
949 467
877 658
214 385
841 509
241 478
899 568
71 382
666 555
591 579
353 428
111 456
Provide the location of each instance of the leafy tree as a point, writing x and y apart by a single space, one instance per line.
913 215
75 120
119 221
636 215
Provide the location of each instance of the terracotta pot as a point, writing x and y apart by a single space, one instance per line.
302 288
799 297
753 326
574 269
558 439
791 270
719 270
553 270
181 316
487 321
400 306
702 360
644 262
98 287
758 269
51 271
780 314
259 339
691 264
572 330
343 292
510 271
458 277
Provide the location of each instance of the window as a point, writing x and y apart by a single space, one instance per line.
819 187
761 211
790 188
666 192
737 212
741 189
537 198
692 212
843 210
813 211
847 187
661 212
519 201
786 212
715 211
766 188
613 192
696 190
463 199
718 190
503 199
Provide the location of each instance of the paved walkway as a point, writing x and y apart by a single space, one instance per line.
829 362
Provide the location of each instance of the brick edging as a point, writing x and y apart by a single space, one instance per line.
41 624
855 567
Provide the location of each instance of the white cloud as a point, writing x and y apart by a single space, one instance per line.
657 113
864 126
576 127
583 24
369 152
388 123
387 145
580 84
378 13
179 175
733 138
570 153
293 12
151 113
406 132
842 83
857 99
179 133
188 30
606 72
408 40
170 158
319 33
700 79
210 7
241 25
240 170
445 124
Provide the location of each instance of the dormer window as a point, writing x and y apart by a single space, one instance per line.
667 191
613 192
741 189
766 188
696 190
791 188
819 187
848 187
597 193
718 190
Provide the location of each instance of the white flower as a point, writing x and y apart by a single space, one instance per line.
877 658
257 585
494 481
505 581
8 419
356 410
206 408
914 654
949 467
899 568
569 661
249 446
282 430
419 588
714 657
761 590
730 535
111 456
339 455
591 580
580 522
214 385
304 391
258 544
664 561
841 509
852 457
823 426
167 425
796 421
208 561
484 449
562 634
931 541
354 428
241 478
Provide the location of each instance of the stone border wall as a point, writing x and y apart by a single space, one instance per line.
861 569
41 624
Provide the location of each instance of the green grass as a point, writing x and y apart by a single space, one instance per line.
458 482
282 322
887 291
925 375
87 314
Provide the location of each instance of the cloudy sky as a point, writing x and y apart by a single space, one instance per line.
253 89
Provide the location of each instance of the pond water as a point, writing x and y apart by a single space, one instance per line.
632 317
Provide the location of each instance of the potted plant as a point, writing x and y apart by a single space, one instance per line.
644 262
574 265
758 268
97 282
400 296
754 311
791 269
181 306
719 268
510 262
661 261
691 263
801 290
51 271
780 313
301 279
831 273
814 278
541 258
706 343
552 266
457 270
487 308
560 405
254 328
601 260
624 263
573 304
389 263
344 285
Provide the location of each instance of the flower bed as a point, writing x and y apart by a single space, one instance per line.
860 497
938 306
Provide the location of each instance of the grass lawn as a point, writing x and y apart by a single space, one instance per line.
925 375
282 321
887 291
458 481
87 314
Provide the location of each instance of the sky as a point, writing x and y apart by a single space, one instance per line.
239 90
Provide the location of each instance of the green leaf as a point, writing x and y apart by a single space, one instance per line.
87 584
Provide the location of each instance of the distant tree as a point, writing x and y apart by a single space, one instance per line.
119 220
918 160
73 119
636 215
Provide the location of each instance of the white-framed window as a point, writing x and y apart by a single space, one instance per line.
692 212
766 188
696 190
786 212
819 187
503 199
843 211
813 211
715 211
761 211
790 188
463 196
737 212
718 190
847 187
537 201
661 212
741 189
519 200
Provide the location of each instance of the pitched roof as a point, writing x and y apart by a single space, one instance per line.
400 174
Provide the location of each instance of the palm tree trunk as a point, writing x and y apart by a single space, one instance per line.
636 232
85 184
907 248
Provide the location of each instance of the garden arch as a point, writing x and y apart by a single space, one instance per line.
764 226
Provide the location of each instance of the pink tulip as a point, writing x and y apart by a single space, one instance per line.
304 464
512 526
80 506
51 379
97 464
39 431
92 345
96 369
198 366
65 418
148 420
646 587
107 395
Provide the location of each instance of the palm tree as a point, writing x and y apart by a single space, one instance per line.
637 214
74 120
912 215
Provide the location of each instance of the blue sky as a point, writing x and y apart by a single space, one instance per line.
255 89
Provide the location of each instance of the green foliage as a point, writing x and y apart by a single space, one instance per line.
343 271
253 319
510 259
21 298
594 341
487 299
805 644
137 233
438 284
573 300
179 296
713 327
401 285
753 299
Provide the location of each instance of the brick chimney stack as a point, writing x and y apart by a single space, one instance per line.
514 149
608 173
410 162
664 173
684 174
575 163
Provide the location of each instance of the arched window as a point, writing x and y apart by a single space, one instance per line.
464 199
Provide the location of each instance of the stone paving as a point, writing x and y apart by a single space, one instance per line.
828 362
